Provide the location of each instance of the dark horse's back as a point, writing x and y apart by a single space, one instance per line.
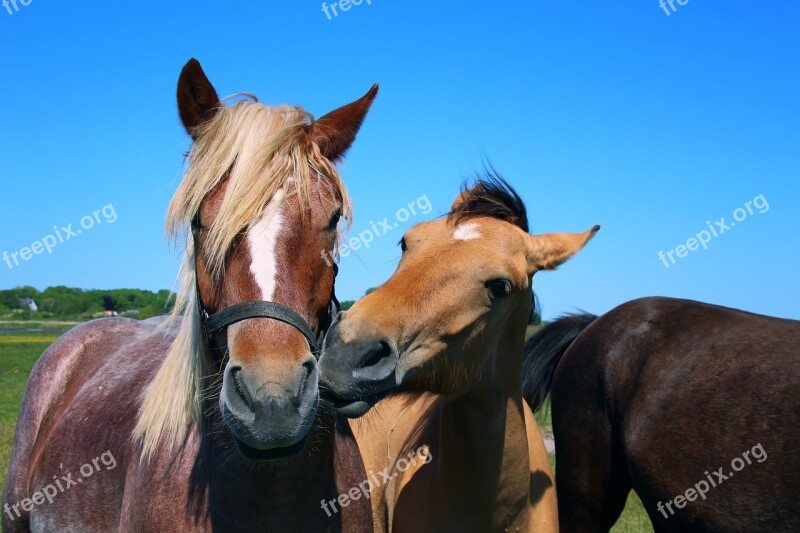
97 372
692 405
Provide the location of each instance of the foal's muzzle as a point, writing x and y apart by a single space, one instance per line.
357 374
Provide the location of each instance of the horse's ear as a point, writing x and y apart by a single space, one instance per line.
336 131
546 252
197 100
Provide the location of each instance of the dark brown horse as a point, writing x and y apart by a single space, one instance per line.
135 426
691 405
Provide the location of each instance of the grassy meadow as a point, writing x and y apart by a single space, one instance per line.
19 352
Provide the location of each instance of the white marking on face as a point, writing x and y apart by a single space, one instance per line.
263 239
467 232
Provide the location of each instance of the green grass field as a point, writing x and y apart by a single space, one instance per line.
46 325
18 353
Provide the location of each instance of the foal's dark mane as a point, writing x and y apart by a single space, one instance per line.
490 196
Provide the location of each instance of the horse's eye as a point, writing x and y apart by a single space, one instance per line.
403 245
498 288
334 223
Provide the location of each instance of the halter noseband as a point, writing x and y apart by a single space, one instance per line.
216 322
257 309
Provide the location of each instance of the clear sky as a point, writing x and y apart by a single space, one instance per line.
610 113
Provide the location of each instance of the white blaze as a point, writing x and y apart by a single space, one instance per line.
263 239
467 231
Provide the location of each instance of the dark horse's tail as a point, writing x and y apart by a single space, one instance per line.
544 350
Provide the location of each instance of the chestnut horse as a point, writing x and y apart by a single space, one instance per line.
451 321
135 426
691 405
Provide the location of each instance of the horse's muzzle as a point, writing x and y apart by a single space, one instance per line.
268 412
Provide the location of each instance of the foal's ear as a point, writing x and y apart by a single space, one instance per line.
336 131
197 100
546 252
459 200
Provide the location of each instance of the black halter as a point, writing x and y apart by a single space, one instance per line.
216 322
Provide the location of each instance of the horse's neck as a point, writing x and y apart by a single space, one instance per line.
313 466
484 440
322 441
279 495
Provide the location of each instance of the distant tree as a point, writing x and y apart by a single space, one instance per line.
69 303
166 299
347 304
370 290
149 311
27 292
109 304
10 298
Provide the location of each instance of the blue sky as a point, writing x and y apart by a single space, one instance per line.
597 112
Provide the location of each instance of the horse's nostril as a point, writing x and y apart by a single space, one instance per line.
308 366
240 390
387 349
308 369
378 354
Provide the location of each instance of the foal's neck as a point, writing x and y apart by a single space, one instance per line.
483 433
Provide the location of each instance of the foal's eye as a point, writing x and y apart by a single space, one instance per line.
402 244
498 288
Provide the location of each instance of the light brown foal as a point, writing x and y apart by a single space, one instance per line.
459 448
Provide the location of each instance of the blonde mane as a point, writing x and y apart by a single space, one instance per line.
258 149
